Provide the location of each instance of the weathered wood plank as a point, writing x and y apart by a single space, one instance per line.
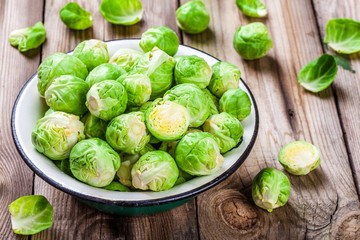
287 112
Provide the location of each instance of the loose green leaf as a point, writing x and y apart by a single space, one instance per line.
28 38
123 12
252 8
318 74
344 63
75 17
116 186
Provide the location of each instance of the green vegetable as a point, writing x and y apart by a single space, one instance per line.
92 52
236 102
123 12
183 177
318 74
75 17
125 58
155 170
28 38
343 35
252 8
270 189
30 214
94 162
192 17
252 41
56 65
94 127
138 88
105 71
299 157
56 133
67 93
116 186
213 102
124 172
162 37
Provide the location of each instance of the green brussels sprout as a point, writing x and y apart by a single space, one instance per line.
92 52
252 8
159 66
299 157
192 17
225 76
183 177
106 99
125 58
56 133
145 106
65 166
123 12
116 186
192 69
128 133
226 129
124 172
94 127
198 154
236 102
105 71
167 120
213 102
75 17
94 162
155 170
195 101
252 41
31 214
28 38
270 189
67 93
162 37
56 65
138 88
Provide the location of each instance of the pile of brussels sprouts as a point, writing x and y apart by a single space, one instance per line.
138 120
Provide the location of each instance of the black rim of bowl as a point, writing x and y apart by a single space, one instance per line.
137 203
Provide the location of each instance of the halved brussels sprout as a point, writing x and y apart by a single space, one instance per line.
252 8
105 71
128 133
192 17
94 162
116 186
213 102
198 154
75 17
94 127
123 12
67 93
236 102
92 52
155 170
252 41
56 133
270 189
124 172
125 58
192 69
106 99
28 38
299 157
138 88
162 37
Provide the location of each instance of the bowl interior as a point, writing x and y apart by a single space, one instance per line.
29 107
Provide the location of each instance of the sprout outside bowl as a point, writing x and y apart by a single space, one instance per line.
30 106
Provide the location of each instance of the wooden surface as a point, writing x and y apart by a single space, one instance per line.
323 204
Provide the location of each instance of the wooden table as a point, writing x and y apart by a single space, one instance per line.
323 205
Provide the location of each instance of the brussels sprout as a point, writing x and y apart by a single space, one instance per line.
226 129
236 102
123 12
105 71
159 66
116 186
192 17
56 65
155 170
56 133
65 166
213 102
28 38
183 177
67 93
75 17
138 88
106 99
125 58
191 97
198 154
94 162
343 35
124 172
299 157
225 76
92 52
128 133
167 120
145 106
318 74
31 214
94 127
270 189
162 37
192 69
252 41
252 8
